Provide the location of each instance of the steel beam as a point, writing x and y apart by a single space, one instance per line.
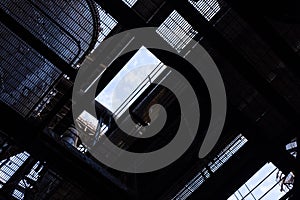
35 43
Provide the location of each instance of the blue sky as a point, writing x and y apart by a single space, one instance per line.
258 192
128 79
123 84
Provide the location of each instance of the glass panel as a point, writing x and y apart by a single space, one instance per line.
243 191
260 175
116 94
249 198
232 198
264 184
275 192
87 121
267 184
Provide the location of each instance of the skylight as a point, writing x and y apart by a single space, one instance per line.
130 81
264 184
87 122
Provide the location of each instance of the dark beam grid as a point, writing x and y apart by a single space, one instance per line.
60 157
238 61
130 22
258 22
251 75
25 35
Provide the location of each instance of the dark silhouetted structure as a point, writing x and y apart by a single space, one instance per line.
43 44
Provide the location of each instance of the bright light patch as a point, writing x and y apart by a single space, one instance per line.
264 184
130 81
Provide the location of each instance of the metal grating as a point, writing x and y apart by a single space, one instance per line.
227 152
208 8
176 31
247 42
260 55
292 147
27 183
218 161
195 183
69 28
129 3
10 166
107 24
25 75
18 194
18 164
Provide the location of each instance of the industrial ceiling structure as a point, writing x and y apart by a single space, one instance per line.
50 150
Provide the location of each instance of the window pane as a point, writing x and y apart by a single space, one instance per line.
263 184
125 84
200 178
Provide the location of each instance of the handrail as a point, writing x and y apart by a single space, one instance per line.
174 192
138 89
